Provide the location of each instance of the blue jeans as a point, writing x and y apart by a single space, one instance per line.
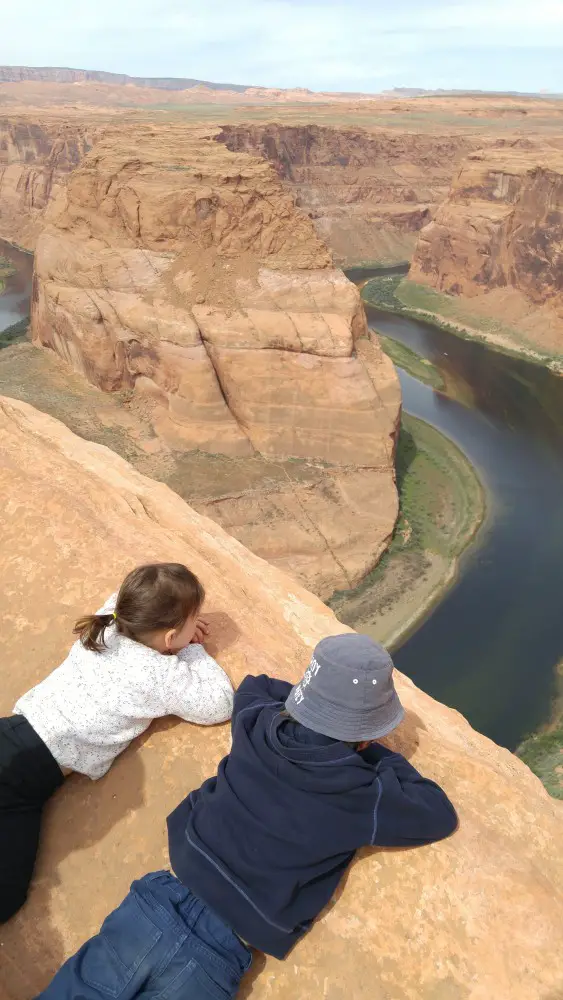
161 942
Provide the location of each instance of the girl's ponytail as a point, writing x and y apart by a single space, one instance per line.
90 630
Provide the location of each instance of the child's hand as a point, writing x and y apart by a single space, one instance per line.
201 631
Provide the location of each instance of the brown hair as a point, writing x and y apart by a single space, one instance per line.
153 597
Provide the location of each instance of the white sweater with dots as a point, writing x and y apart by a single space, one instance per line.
91 707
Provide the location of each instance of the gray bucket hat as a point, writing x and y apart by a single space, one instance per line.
347 691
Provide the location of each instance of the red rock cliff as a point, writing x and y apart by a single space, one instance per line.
497 239
34 161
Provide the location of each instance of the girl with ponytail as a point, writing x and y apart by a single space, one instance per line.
138 658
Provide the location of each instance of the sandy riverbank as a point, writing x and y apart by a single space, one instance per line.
442 507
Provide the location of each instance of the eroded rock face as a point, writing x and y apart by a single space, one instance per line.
174 268
501 228
369 193
475 917
189 267
34 161
327 531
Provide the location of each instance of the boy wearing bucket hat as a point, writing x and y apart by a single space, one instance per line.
259 849
347 692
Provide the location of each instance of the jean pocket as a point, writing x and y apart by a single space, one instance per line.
109 961
209 989
194 982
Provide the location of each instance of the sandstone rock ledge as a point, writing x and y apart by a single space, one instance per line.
476 917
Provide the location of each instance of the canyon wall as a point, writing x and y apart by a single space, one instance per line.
35 159
497 239
177 270
474 917
368 192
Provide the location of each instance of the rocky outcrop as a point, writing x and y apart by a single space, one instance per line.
474 917
368 192
176 269
497 239
34 161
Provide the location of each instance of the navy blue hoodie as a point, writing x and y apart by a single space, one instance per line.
266 841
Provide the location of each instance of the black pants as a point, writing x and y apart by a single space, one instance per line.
29 774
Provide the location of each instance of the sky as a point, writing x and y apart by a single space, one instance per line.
339 45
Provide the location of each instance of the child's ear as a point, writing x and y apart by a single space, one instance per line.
169 638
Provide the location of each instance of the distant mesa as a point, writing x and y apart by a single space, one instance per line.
67 75
439 92
57 74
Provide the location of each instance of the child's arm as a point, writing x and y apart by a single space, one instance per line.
197 688
410 810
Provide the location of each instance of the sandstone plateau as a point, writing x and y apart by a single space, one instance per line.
176 269
370 174
475 917
497 239
367 192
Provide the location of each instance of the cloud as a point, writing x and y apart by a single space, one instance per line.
320 44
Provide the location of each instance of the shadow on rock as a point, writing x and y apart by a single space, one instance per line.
249 982
405 739
223 633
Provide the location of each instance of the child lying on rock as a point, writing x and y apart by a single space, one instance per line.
259 849
137 659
